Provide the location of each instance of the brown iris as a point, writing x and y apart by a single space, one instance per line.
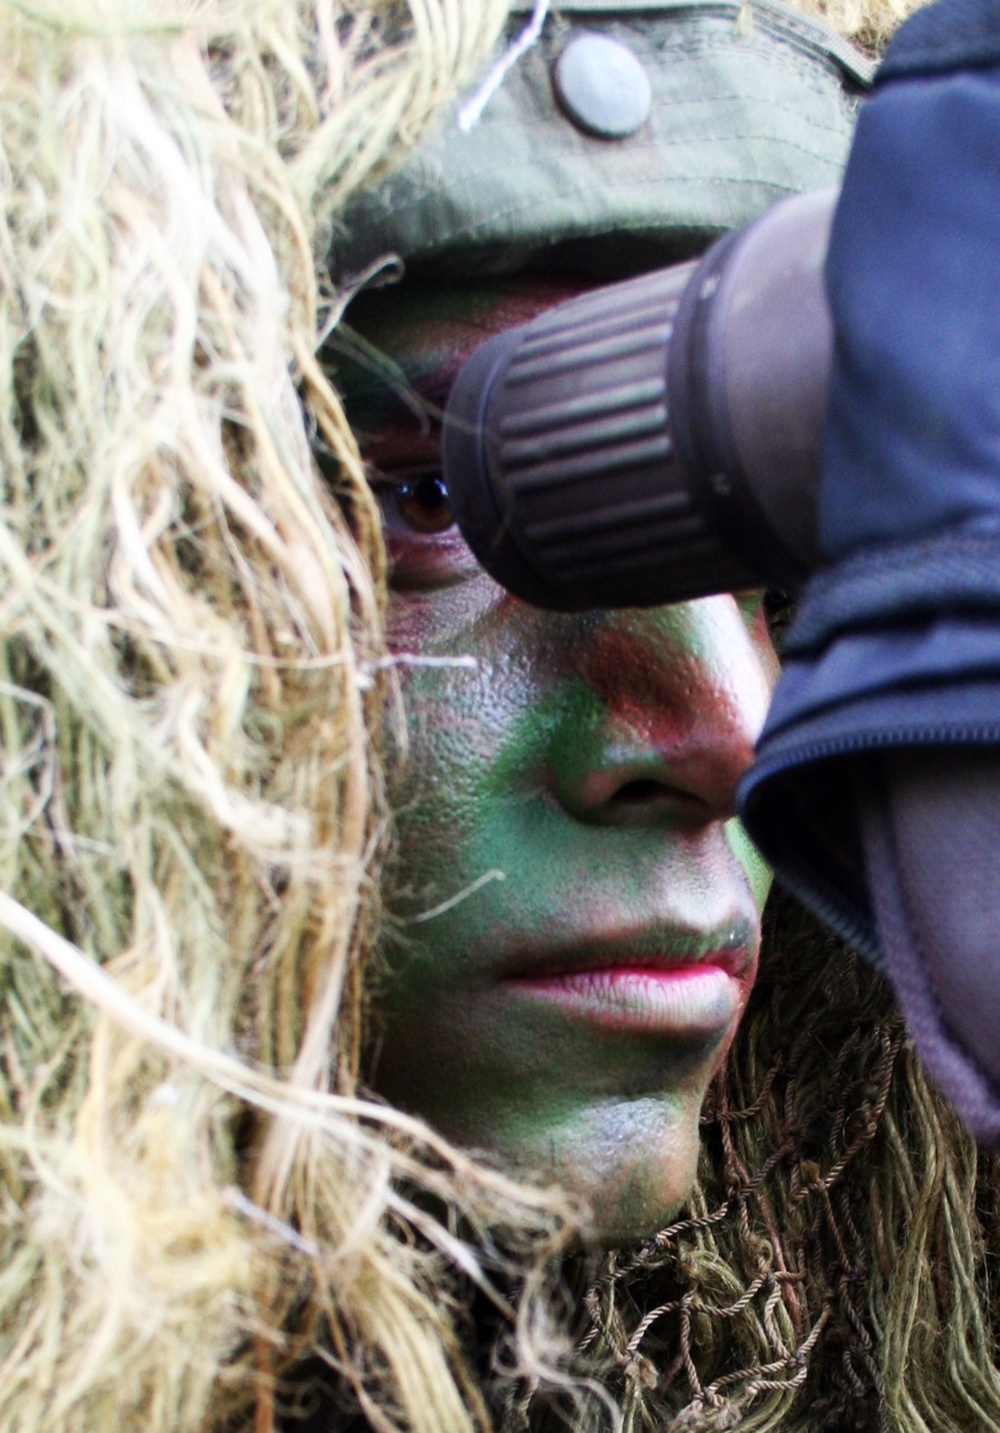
423 503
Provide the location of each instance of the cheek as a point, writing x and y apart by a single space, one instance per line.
738 652
464 691
757 871
448 622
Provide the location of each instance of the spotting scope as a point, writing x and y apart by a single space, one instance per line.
657 439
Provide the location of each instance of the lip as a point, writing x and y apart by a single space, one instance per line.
692 1000
666 982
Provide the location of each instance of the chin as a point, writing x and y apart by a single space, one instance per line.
631 1163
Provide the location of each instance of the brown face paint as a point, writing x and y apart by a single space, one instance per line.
426 335
578 911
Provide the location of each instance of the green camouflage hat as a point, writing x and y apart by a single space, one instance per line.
721 107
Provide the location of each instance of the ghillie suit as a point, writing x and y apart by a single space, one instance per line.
197 1195
190 689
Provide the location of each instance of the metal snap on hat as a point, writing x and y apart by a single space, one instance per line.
748 101
602 86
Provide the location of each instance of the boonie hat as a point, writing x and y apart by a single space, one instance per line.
628 135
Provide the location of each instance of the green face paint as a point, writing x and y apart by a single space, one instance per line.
578 912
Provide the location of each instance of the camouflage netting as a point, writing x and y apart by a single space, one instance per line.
837 1266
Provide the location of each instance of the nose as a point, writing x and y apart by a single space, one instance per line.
669 704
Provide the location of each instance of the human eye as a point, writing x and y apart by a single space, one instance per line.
779 609
768 609
419 503
426 548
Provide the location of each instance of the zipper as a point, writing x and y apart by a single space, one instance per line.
960 734
832 904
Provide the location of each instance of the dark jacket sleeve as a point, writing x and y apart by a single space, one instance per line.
897 641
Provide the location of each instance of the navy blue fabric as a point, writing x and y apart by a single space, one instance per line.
921 613
958 35
913 277
910 492
897 642
910 489
954 573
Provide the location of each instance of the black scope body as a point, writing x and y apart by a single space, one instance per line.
658 439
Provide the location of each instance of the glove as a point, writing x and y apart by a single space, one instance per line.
876 790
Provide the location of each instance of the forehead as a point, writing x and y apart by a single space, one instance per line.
395 361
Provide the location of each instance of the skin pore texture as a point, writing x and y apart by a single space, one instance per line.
576 909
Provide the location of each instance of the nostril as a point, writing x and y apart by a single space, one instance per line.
645 798
636 793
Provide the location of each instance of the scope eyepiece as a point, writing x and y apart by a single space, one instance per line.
657 439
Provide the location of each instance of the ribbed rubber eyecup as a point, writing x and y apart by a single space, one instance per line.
559 457
590 455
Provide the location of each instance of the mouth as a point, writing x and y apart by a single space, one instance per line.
695 988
